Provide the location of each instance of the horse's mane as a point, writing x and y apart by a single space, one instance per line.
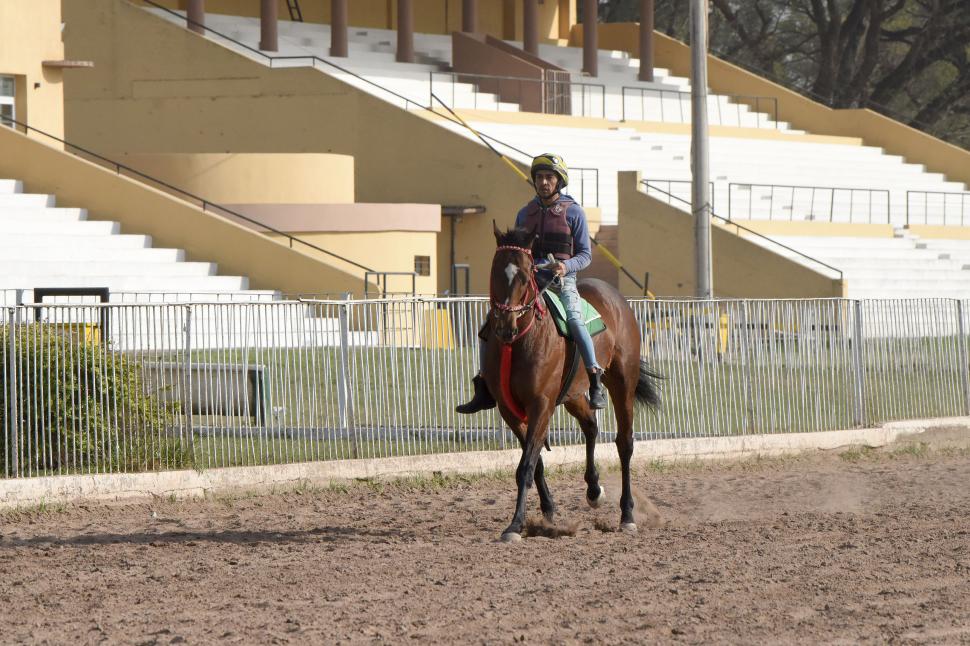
516 237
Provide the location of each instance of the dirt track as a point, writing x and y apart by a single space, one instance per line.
842 548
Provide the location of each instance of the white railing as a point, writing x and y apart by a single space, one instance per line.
109 388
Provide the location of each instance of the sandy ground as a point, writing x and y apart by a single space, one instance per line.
870 546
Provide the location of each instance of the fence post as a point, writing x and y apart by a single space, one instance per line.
187 369
964 366
344 401
859 390
746 367
12 395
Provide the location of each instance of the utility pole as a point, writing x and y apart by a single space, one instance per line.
700 158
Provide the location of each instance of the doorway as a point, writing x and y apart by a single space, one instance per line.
7 111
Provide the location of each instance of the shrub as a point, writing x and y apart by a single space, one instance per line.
80 407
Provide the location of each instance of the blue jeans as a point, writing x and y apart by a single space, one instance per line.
569 296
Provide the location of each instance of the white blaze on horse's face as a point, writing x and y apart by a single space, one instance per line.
511 271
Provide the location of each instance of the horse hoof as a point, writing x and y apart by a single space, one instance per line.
511 537
596 502
628 528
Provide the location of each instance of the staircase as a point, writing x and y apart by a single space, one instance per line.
904 266
43 245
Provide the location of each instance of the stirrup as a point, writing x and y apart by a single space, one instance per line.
597 398
482 400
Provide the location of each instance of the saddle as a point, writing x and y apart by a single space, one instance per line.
593 320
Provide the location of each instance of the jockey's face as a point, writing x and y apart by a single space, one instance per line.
547 184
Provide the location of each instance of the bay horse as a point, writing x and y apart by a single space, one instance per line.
536 366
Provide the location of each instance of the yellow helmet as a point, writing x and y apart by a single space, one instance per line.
555 163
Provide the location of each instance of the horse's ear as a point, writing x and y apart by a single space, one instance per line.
533 236
498 233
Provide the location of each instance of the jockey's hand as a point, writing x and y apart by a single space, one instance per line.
559 268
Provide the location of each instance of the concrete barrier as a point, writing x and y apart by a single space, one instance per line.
188 484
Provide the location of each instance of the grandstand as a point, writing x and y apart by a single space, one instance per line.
878 219
763 168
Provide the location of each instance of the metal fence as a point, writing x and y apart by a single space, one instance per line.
674 106
115 388
554 93
937 207
820 203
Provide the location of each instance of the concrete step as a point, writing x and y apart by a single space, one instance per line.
129 283
88 253
80 228
26 200
11 186
46 214
65 269
57 241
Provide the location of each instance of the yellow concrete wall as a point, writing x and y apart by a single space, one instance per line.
30 33
168 90
935 231
395 248
800 111
430 16
656 237
258 178
170 222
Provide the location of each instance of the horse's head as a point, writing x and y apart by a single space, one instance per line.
512 285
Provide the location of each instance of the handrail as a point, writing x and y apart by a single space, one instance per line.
680 93
750 231
814 189
118 167
690 183
520 79
964 196
313 58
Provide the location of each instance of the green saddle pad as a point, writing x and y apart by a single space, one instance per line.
594 322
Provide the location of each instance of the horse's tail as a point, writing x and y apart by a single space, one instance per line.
648 388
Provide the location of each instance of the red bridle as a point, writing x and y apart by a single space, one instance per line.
535 303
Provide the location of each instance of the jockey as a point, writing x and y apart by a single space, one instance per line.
563 232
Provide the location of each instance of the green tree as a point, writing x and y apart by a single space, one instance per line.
909 59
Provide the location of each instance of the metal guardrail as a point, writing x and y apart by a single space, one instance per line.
555 95
211 385
679 189
768 201
680 111
941 203
739 227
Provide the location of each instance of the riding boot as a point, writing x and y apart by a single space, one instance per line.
597 397
482 400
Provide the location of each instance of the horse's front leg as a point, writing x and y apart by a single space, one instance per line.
539 413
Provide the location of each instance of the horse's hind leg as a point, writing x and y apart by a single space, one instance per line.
622 394
586 416
546 503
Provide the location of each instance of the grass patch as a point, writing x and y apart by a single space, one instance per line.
31 512
911 449
857 454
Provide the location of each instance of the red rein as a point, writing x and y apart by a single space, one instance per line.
505 371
